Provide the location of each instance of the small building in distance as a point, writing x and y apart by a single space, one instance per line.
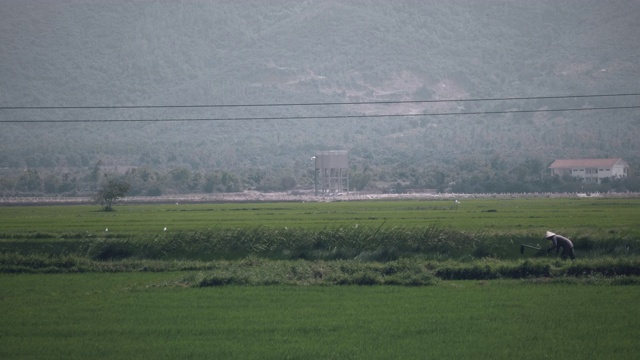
591 171
332 169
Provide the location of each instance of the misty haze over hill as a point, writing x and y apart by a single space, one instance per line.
92 53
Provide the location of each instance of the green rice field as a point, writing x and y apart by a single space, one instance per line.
365 230
343 280
579 215
144 316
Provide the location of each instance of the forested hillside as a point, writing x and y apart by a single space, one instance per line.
72 56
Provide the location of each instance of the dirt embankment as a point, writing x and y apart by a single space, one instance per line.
254 196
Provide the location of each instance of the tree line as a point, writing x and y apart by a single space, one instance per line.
529 176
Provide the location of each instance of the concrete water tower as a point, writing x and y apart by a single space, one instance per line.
331 172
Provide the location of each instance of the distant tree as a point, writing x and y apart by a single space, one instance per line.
630 183
111 191
95 172
51 183
230 181
154 191
210 183
29 181
359 180
287 183
180 174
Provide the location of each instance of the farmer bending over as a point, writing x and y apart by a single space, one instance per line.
557 242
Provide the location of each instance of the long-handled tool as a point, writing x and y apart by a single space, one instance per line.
522 246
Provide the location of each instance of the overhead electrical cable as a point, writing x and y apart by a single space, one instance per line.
323 117
383 102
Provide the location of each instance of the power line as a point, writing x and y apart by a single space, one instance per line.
326 117
386 102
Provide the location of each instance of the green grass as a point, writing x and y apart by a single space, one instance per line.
362 243
146 316
406 271
140 292
369 231
493 215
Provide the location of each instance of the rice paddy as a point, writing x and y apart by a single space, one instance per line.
361 280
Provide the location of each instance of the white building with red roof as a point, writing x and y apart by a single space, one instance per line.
591 170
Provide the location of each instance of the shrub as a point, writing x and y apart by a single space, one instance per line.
526 269
109 250
222 280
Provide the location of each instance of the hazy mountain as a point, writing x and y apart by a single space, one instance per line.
123 53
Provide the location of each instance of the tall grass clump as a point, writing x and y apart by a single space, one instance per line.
42 263
302 272
342 242
487 269
603 267
612 245
370 244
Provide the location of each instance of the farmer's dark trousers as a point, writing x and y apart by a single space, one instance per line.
568 253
